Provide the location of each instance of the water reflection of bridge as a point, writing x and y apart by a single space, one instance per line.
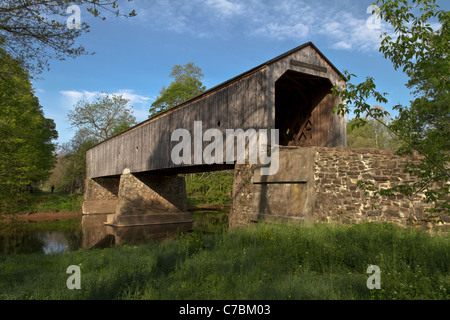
96 234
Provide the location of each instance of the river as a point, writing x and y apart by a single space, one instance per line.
94 234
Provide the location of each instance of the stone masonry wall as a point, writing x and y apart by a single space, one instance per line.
337 172
101 189
242 196
143 194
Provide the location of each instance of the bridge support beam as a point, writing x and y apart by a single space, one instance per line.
150 199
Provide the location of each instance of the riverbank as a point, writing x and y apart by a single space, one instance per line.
286 262
47 216
42 206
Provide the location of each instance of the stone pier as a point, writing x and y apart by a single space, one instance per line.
101 195
139 200
150 199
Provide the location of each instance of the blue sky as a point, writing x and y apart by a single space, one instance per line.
134 56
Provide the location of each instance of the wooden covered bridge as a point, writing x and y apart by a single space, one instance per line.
133 177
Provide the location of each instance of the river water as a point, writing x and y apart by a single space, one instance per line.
44 242
92 234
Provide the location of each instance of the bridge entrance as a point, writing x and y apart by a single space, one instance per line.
299 97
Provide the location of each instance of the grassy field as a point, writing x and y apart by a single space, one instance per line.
40 201
266 262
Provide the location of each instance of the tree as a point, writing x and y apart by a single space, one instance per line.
96 121
103 118
72 159
26 136
34 31
372 134
423 127
187 84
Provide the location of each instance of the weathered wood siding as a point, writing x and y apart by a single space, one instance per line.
148 146
245 102
329 129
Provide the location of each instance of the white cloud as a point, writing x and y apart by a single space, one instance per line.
345 45
343 24
91 95
133 97
282 31
353 33
70 98
76 95
225 7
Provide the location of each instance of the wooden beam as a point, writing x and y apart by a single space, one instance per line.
309 66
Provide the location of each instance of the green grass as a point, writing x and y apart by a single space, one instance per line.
266 262
58 201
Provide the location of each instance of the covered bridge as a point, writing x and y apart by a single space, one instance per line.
133 175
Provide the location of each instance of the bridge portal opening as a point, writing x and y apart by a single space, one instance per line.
297 97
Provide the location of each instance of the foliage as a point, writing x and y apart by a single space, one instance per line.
26 136
103 118
422 54
32 33
372 135
187 84
266 262
72 160
58 201
210 187
35 31
96 121
40 201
